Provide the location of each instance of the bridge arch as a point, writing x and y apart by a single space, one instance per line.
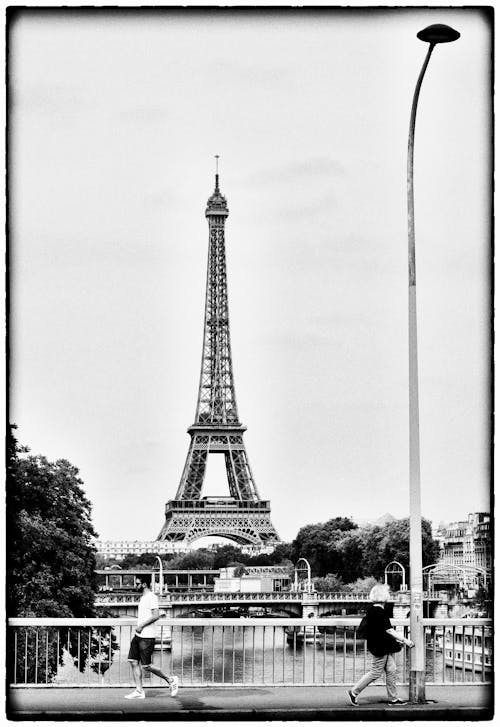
240 537
289 610
342 609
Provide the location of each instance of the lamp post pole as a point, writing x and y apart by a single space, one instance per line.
433 35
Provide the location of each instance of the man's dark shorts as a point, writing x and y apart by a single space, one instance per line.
141 650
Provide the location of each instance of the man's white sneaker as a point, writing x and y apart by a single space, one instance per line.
135 695
174 686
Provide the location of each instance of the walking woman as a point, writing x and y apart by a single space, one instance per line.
383 642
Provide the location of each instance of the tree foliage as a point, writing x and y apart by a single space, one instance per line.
320 544
330 583
144 560
203 559
484 600
51 557
340 547
50 564
362 585
392 542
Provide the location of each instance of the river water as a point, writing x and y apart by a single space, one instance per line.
253 655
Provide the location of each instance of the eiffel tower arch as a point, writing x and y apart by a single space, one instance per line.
242 516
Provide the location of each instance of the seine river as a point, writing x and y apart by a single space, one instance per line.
248 655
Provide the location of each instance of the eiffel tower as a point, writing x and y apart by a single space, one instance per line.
243 517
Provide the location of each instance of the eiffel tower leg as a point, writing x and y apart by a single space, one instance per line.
194 470
237 464
177 523
231 476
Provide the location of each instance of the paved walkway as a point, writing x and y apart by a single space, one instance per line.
250 703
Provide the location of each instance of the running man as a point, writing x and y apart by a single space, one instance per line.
143 643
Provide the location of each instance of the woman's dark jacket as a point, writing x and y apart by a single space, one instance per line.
379 642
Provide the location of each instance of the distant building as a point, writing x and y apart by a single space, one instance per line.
118 549
467 543
257 549
253 579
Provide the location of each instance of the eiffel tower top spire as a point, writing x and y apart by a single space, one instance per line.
217 205
216 172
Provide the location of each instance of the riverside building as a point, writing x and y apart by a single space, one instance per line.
466 544
118 549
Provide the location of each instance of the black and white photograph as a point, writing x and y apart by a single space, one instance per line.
249 311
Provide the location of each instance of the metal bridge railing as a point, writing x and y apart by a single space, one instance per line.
210 596
266 597
48 652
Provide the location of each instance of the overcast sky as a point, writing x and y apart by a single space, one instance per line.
115 121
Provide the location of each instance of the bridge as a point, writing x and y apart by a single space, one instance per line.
74 667
285 603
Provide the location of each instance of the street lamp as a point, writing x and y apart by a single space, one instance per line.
161 574
433 35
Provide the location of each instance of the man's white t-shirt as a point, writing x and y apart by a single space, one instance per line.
147 603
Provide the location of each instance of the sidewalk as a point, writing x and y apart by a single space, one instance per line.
249 703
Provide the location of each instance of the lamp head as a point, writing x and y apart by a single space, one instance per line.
438 33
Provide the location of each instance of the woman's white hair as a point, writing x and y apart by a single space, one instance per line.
379 593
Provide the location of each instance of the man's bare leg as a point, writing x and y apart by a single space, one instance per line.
158 672
172 681
137 675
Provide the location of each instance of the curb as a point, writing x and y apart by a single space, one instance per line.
298 715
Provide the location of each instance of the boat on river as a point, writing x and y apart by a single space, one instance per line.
301 634
329 636
465 650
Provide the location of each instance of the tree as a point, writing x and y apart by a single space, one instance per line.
127 562
226 554
392 542
310 544
200 559
51 559
101 562
280 554
144 560
331 583
363 585
339 546
320 545
51 563
483 600
352 548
